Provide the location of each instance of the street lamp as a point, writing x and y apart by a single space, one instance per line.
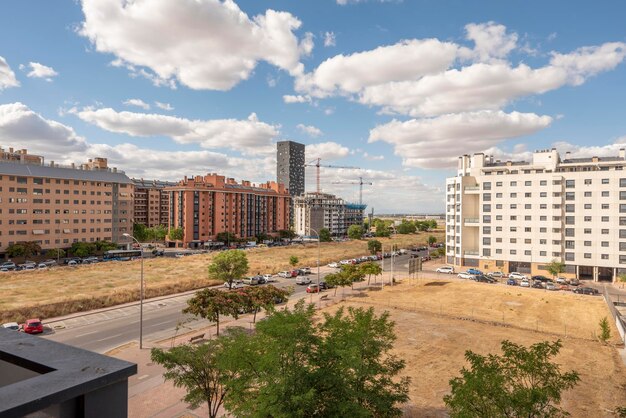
140 293
319 242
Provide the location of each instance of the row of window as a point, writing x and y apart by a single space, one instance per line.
567 256
41 180
529 183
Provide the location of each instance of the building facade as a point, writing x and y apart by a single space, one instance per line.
520 216
56 206
152 202
290 160
314 211
204 206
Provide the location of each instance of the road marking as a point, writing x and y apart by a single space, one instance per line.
161 323
89 333
143 377
108 338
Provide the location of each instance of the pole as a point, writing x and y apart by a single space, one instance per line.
141 294
319 243
392 256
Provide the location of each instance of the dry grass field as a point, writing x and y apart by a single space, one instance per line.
437 320
65 290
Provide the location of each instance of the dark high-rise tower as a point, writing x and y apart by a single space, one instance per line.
290 166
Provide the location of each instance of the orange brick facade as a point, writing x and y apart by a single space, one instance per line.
206 206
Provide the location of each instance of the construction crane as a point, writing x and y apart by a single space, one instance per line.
360 183
316 163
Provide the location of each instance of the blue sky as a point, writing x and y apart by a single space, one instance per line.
398 88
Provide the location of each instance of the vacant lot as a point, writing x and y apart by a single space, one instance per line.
437 320
65 290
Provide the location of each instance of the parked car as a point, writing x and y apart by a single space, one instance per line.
523 283
426 258
564 287
465 275
8 265
511 282
295 273
179 255
284 274
325 286
540 278
253 280
495 274
32 326
11 325
72 263
29 265
561 280
537 285
516 275
269 278
586 291
236 284
484 279
445 269
313 288
42 266
305 270
303 280
475 272
333 265
90 260
550 286
344 262
49 262
574 282
70 259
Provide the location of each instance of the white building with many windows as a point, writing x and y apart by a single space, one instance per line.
314 211
520 216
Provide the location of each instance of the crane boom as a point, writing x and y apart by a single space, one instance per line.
316 163
360 183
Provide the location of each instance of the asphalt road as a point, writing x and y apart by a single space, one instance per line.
103 330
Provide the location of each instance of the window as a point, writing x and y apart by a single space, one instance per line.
570 184
622 233
587 243
486 230
528 218
569 232
604 231
587 194
513 252
605 181
587 205
569 256
513 240
587 181
513 183
604 243
543 229
543 183
499 206
498 184
587 255
605 194
570 208
543 218
528 194
622 182
622 258
569 220
527 229
486 219
605 256
528 183
543 206
570 245
514 218
487 185
486 208
498 229
486 252
605 219
513 229
622 246
587 231
543 194
513 206
587 218
570 195
513 195
486 241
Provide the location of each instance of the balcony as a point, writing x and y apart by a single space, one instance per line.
471 189
471 253
471 221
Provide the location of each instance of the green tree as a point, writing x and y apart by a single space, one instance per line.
55 253
293 367
522 382
262 236
228 266
194 368
355 231
176 234
406 227
352 273
211 304
15 250
605 330
82 249
253 298
325 235
374 246
432 239
293 261
104 246
422 225
371 269
226 237
31 248
286 234
382 230
556 267
140 232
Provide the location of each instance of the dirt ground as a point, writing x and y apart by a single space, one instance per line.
118 281
438 320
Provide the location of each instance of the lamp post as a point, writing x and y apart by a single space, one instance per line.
319 243
140 293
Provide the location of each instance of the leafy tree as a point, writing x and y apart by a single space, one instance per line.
82 249
522 382
105 245
605 330
55 253
286 234
293 367
374 246
157 233
333 280
325 235
406 227
253 298
31 248
262 236
422 225
293 261
352 273
194 368
210 304
382 230
370 269
140 232
228 266
556 267
176 234
15 250
226 237
432 239
355 231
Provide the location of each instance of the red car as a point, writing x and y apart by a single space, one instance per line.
32 326
294 273
313 288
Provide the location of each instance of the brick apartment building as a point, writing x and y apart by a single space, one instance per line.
205 206
152 202
58 205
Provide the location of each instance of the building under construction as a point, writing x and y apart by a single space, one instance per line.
314 211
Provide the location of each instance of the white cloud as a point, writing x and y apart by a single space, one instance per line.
345 2
38 70
307 44
247 136
309 130
208 44
164 106
491 40
347 74
329 39
373 157
137 102
434 143
288 98
590 60
7 76
327 151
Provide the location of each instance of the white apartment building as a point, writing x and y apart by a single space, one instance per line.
519 216
314 211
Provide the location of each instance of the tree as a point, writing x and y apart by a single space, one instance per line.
157 233
15 250
422 225
522 382
176 234
432 239
605 330
228 266
293 367
293 261
371 269
253 298
262 236
406 227
556 267
325 235
382 230
374 246
140 232
286 234
352 273
55 253
210 304
355 231
105 245
82 249
194 368
31 248
226 237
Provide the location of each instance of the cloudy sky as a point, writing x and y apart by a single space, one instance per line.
397 88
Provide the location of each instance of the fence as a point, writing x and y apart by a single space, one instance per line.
620 323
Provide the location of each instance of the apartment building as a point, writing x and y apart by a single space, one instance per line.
204 206
520 216
151 202
290 160
58 205
314 211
